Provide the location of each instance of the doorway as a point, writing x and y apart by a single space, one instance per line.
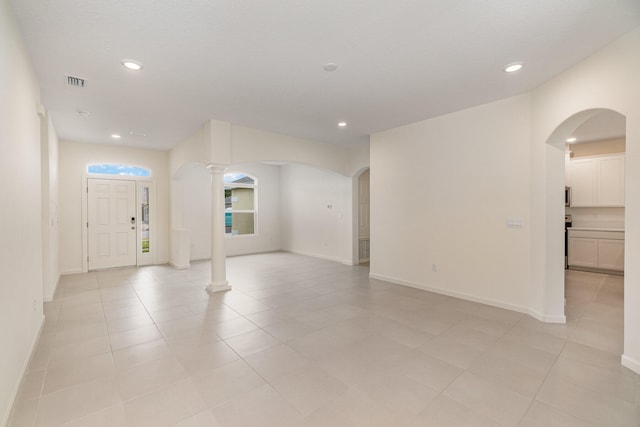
118 223
364 212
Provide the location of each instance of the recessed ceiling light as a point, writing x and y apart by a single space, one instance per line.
572 139
330 66
513 67
132 133
342 124
115 136
132 65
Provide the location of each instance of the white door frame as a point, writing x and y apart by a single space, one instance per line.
140 260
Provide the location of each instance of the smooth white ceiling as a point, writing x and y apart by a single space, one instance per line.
260 63
604 125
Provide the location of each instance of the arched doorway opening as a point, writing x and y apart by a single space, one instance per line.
587 160
361 217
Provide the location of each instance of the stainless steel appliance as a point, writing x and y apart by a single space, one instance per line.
567 224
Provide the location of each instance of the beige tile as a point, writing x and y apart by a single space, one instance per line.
108 417
223 384
120 324
354 364
62 374
24 413
532 358
261 407
80 350
595 333
193 337
230 328
429 371
134 336
451 351
537 340
266 318
134 355
202 419
354 409
164 407
541 415
560 330
585 404
172 313
197 360
31 386
77 401
398 393
148 377
81 332
251 342
614 383
359 352
213 315
489 399
322 343
444 411
181 327
308 389
508 373
288 330
276 361
468 335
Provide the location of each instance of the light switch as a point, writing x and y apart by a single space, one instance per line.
514 223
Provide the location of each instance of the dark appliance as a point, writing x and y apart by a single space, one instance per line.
567 224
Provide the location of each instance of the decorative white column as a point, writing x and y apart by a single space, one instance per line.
219 280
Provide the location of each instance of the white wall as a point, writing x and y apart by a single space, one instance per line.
608 79
73 161
193 191
309 226
442 191
20 210
50 235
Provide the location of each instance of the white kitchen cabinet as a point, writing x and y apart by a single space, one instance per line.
583 252
596 248
597 181
583 182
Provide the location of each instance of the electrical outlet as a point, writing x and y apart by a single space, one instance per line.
434 267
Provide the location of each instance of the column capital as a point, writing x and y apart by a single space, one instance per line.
216 169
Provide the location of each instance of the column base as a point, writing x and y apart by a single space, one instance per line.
218 287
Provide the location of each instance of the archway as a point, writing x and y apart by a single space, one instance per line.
600 137
361 216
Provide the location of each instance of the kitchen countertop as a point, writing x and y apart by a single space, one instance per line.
595 229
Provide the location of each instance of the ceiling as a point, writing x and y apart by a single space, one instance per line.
260 63
606 124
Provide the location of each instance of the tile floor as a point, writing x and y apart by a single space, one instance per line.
306 342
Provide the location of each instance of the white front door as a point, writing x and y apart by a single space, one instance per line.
111 213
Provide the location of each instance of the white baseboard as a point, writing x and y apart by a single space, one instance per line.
468 297
23 372
630 363
547 318
315 255
180 266
73 271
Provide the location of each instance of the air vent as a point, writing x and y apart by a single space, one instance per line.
76 81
